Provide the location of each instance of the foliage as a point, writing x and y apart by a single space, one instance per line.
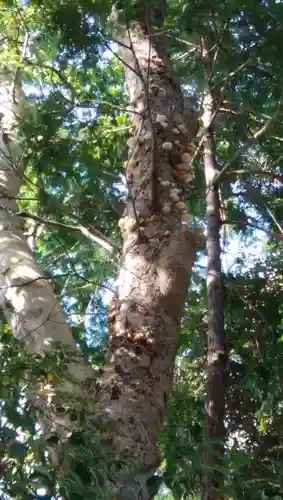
75 133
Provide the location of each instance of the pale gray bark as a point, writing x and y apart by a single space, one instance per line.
26 297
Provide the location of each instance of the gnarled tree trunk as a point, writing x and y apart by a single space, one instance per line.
158 253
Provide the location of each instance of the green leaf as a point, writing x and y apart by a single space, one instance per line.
17 450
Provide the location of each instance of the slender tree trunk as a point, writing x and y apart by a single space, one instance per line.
216 355
158 254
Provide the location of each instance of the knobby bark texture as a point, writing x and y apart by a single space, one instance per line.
216 350
158 254
26 297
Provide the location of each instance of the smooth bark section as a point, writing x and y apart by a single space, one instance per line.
216 350
157 257
26 297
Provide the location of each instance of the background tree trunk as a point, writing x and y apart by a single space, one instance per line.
216 350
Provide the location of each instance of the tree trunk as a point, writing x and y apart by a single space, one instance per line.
26 297
216 355
158 254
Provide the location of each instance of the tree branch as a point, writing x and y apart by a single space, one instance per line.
245 223
258 172
91 233
250 141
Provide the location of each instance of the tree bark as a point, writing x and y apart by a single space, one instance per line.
216 350
26 297
157 257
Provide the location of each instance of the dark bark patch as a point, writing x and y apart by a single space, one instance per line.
115 393
138 349
119 369
165 396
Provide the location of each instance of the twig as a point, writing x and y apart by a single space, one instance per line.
279 227
250 141
253 225
259 172
92 234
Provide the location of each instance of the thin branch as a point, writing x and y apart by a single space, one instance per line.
280 139
250 141
261 173
74 101
57 72
121 58
92 234
275 162
54 277
279 227
233 73
253 225
95 105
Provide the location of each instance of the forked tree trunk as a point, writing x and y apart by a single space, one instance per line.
216 350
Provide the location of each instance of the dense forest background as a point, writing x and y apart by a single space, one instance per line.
74 133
